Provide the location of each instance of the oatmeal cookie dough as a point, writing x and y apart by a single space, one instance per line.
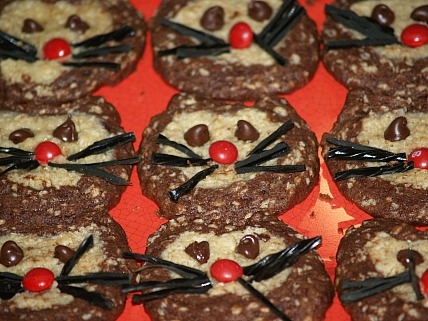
397 125
51 29
241 74
395 69
229 191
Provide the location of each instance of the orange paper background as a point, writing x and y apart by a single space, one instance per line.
325 212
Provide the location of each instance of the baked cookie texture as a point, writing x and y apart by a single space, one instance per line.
50 195
35 78
39 248
302 291
371 251
241 74
364 119
395 69
224 193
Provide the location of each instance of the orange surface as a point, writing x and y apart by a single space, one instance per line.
325 212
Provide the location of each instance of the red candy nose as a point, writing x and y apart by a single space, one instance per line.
419 157
415 35
241 36
38 279
56 48
47 151
223 152
225 270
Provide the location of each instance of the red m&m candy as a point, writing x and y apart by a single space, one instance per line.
241 36
47 151
56 48
415 35
419 157
223 152
38 279
225 270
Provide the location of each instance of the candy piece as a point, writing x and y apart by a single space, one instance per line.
213 18
63 253
18 136
38 279
383 15
397 130
66 131
241 36
246 131
223 152
420 158
415 35
56 48
197 135
403 257
259 10
420 14
31 26
47 151
249 246
75 23
424 283
10 254
200 251
225 270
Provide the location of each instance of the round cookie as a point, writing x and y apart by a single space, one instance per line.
39 189
302 291
24 248
354 54
208 64
378 249
395 126
43 67
243 185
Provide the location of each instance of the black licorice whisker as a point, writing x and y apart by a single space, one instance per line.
259 296
12 160
281 130
93 298
116 35
16 55
344 143
286 6
103 51
7 40
278 58
27 165
177 161
139 298
198 51
414 280
86 244
16 151
98 64
161 139
101 278
374 155
104 145
185 188
346 44
273 169
278 150
400 167
10 284
124 161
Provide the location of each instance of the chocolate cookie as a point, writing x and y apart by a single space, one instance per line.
376 265
227 50
222 273
378 45
220 159
377 153
60 161
62 50
63 272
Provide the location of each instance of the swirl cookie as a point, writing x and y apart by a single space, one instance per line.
221 159
54 166
380 45
224 50
377 153
217 272
63 272
382 271
61 50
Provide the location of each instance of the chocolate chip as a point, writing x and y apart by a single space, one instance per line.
200 251
213 18
31 26
397 130
197 135
10 254
63 253
66 131
420 14
249 246
383 15
75 23
246 131
18 136
403 257
259 10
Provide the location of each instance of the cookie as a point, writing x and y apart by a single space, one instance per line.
46 155
63 50
377 153
383 251
216 159
208 48
362 51
39 267
204 252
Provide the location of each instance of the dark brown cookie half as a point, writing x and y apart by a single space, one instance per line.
255 180
51 29
302 291
395 125
231 73
394 69
34 189
24 248
379 249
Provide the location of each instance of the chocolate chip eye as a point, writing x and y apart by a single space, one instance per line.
18 136
246 132
200 251
75 23
397 130
259 10
403 257
31 26
63 253
420 14
383 15
213 18
10 254
66 131
197 135
249 246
